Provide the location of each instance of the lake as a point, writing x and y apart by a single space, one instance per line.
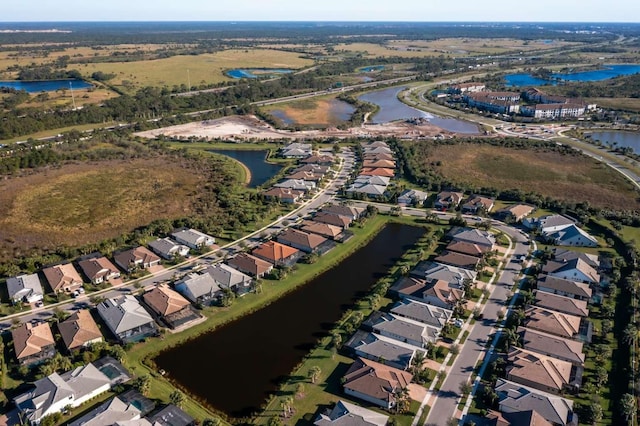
257 72
45 85
338 111
236 367
622 139
392 109
255 161
607 72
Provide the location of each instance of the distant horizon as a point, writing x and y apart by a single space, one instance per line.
232 21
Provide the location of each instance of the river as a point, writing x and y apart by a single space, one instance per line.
236 367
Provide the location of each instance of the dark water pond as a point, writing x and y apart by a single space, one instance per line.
255 161
618 139
607 72
392 109
256 72
45 85
236 367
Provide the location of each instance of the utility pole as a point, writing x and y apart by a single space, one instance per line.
188 80
73 99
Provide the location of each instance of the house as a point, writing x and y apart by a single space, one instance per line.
284 195
296 150
476 204
548 224
371 180
518 418
33 343
539 371
112 412
99 269
474 236
458 259
251 265
376 347
326 230
422 312
199 288
404 330
323 160
433 292
136 258
575 270
562 287
514 397
63 278
127 319
168 249
562 304
412 196
308 243
54 393
229 278
332 219
193 239
314 168
572 235
306 176
374 382
171 415
345 414
377 156
437 271
375 164
553 346
296 185
277 254
169 305
79 330
515 212
367 189
378 171
345 210
469 249
447 199
466 87
557 323
24 288
562 255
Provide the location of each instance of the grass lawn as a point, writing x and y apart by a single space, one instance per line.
572 178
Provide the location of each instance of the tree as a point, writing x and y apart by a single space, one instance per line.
211 422
594 412
59 314
300 390
176 398
417 361
628 406
465 388
118 353
403 402
601 376
629 334
314 373
142 384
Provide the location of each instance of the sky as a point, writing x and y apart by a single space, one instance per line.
323 10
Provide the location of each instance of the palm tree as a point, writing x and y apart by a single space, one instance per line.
628 406
176 398
314 373
511 337
402 399
142 384
417 361
630 334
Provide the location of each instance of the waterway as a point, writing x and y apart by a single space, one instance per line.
605 73
618 139
261 171
257 72
236 367
392 109
45 85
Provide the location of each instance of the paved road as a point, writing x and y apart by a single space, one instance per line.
325 195
445 405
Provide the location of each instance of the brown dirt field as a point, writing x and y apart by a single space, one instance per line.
572 178
318 111
88 202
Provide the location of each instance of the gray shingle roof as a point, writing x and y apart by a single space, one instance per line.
515 397
427 314
123 313
345 414
24 287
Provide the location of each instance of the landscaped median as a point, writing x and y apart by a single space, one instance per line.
139 357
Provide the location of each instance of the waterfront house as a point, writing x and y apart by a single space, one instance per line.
113 412
199 288
326 230
474 236
539 371
376 347
422 312
469 249
63 278
284 195
79 330
127 319
332 219
193 238
296 185
553 346
136 258
306 176
308 243
33 343
250 265
555 302
518 418
171 415
296 150
434 292
24 288
459 260
277 254
168 249
230 278
562 287
99 269
428 270
514 397
375 383
346 414
345 210
169 306
404 330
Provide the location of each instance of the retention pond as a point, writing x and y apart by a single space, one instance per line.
236 367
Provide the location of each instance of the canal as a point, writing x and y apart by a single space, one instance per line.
236 367
256 161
